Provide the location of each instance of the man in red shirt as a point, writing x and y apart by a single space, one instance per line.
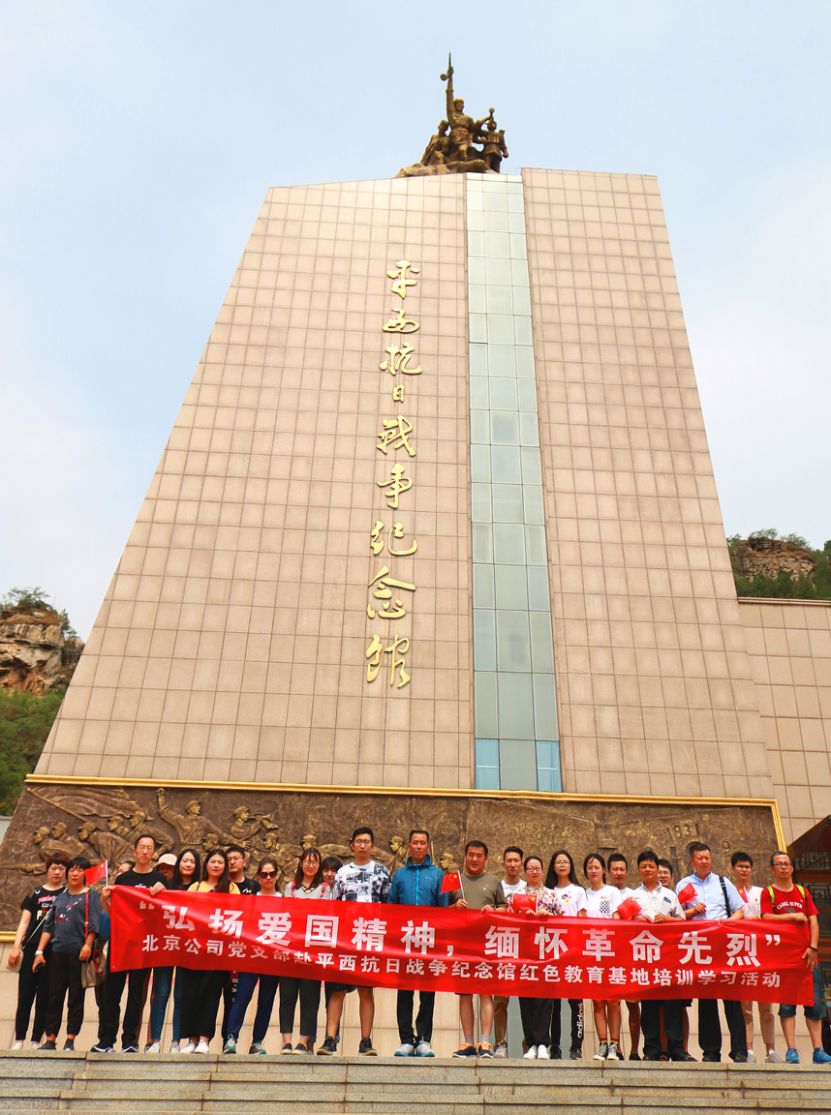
786 901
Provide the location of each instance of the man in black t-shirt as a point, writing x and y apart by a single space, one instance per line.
237 859
33 986
142 875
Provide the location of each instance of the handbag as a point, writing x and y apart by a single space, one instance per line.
89 968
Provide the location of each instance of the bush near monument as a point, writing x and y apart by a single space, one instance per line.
39 650
769 564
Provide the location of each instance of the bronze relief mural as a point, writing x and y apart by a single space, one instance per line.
102 821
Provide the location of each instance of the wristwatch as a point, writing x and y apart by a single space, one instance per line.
38 952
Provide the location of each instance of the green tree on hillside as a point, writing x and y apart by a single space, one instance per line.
25 721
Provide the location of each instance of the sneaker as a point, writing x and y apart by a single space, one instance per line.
792 1057
501 1049
614 1053
424 1049
257 1049
202 1047
102 1049
466 1050
287 1049
16 1045
602 1052
634 1055
36 1044
575 1054
188 1047
153 1047
301 1049
531 1053
69 1045
129 1049
174 1047
48 1047
365 1048
740 1059
751 1057
485 1049
329 1047
556 1053
542 1053
773 1058
230 1045
821 1057
405 1050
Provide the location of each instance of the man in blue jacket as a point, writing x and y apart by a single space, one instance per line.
417 883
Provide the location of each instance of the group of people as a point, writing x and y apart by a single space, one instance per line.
64 928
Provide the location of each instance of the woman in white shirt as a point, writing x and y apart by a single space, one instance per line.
602 902
562 879
535 900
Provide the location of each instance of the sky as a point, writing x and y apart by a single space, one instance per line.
137 142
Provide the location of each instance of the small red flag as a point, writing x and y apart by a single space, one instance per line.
93 874
522 902
452 881
629 908
687 894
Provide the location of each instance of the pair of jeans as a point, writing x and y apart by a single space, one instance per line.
162 983
32 987
424 1018
65 982
265 1005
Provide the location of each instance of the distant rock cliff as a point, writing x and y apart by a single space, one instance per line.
34 655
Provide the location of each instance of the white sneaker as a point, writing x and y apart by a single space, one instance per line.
17 1045
153 1047
174 1047
501 1049
542 1053
751 1057
404 1050
614 1052
188 1047
37 1044
773 1058
531 1054
424 1049
202 1047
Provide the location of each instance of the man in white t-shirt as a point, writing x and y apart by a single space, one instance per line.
512 882
618 868
658 903
742 866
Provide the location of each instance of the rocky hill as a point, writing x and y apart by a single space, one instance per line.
35 654
767 564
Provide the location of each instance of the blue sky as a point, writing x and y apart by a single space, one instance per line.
138 140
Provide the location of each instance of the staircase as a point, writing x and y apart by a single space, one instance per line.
119 1084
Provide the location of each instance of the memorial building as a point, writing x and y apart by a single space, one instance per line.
435 540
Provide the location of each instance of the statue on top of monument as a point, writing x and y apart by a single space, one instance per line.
451 150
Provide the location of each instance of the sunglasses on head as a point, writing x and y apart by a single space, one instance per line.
267 874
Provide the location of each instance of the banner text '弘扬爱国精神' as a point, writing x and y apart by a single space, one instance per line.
459 950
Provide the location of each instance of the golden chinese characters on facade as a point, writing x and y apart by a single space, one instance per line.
390 596
453 150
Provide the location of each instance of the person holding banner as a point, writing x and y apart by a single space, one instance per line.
703 894
478 890
742 865
562 878
33 985
363 880
417 883
202 991
658 903
618 866
602 901
512 882
71 927
307 883
535 900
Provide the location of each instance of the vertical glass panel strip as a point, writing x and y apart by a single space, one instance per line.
517 744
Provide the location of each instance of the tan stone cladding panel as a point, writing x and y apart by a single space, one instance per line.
231 643
654 685
104 821
789 643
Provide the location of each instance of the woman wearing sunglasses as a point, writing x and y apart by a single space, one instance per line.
267 873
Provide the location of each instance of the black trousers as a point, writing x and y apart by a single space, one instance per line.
536 1020
65 978
201 993
576 1023
673 1026
32 987
111 1010
424 1019
709 1028
308 991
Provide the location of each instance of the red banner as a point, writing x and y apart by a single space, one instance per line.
463 951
